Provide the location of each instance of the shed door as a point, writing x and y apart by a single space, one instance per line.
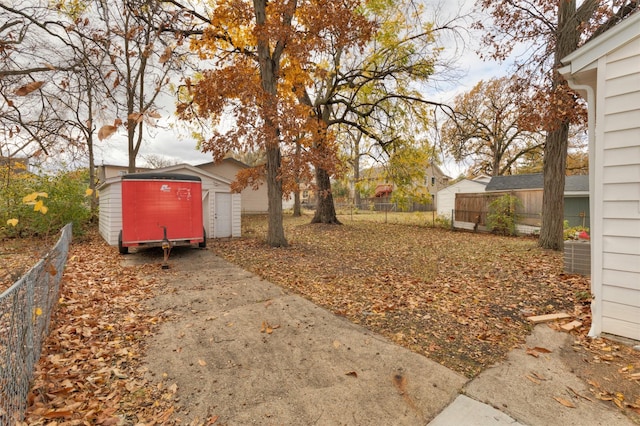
222 218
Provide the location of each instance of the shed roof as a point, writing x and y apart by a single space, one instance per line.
160 176
505 183
574 183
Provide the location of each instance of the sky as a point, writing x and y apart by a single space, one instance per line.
174 144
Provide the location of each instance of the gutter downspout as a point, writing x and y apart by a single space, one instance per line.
596 243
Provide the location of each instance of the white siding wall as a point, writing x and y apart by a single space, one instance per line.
110 218
617 181
236 215
447 196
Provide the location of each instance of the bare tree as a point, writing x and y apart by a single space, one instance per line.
488 128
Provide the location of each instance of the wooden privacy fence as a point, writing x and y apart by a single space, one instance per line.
473 208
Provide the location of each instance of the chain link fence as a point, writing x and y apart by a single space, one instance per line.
25 313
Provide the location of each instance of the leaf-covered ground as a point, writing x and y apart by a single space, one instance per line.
90 370
458 298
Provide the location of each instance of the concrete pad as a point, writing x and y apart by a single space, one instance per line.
465 411
246 351
526 387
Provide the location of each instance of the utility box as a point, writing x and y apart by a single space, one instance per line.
577 257
160 209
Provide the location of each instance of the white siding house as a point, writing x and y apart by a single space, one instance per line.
606 71
447 196
221 209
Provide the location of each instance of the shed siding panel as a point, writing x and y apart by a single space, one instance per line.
620 311
624 63
632 48
622 173
620 180
614 293
611 66
111 213
236 208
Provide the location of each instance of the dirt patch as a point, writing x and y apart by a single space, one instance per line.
611 368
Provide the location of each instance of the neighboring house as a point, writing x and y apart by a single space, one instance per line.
606 71
447 196
435 180
220 208
254 201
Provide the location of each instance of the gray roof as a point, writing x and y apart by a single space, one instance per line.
505 183
535 181
576 183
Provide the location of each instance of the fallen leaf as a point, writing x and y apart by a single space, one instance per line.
352 374
202 362
564 402
536 381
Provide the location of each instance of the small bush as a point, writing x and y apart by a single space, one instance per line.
502 217
442 222
63 196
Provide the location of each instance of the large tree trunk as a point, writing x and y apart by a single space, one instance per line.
268 78
297 209
555 163
275 231
325 209
557 140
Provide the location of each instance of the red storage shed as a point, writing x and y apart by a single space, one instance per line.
161 207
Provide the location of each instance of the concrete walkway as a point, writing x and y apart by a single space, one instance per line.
240 350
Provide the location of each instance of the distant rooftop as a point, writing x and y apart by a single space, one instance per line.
574 183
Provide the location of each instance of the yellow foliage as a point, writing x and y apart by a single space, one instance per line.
31 198
39 205
12 222
88 192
